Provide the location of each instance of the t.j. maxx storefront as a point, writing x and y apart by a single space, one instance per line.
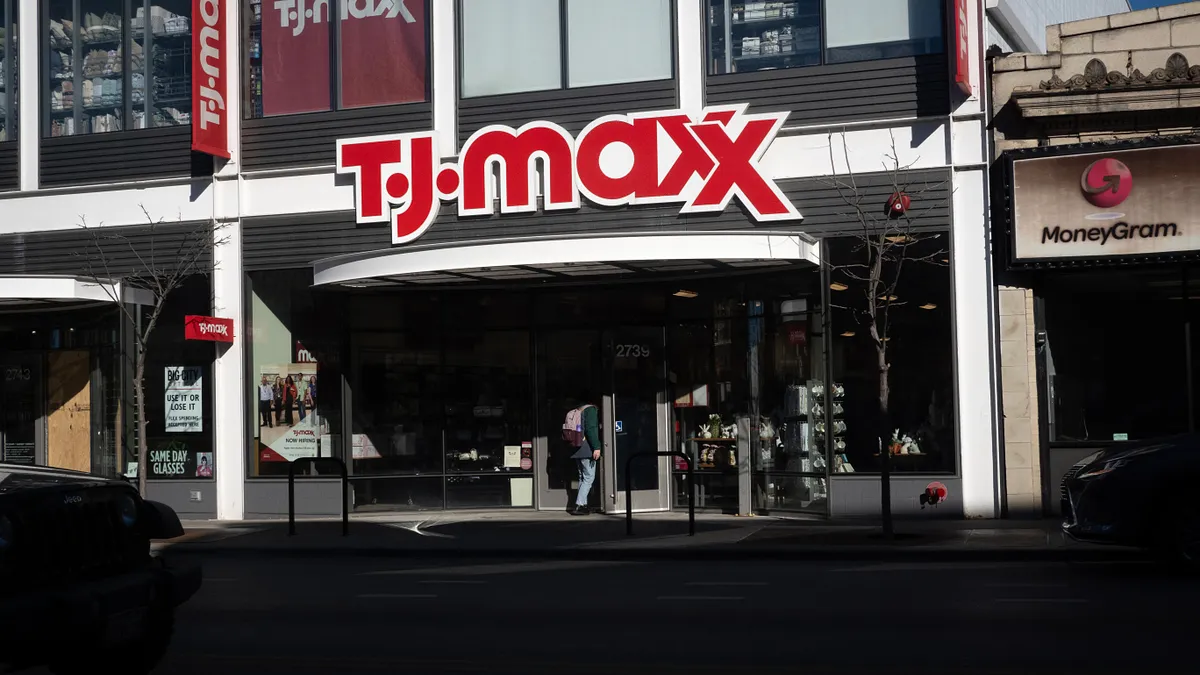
648 264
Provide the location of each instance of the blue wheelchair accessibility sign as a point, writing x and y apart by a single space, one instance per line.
620 427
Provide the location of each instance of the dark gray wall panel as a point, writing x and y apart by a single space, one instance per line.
178 495
10 167
296 241
120 156
314 497
858 497
905 87
126 250
572 108
310 139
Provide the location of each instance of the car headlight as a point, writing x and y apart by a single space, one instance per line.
6 533
1107 468
128 509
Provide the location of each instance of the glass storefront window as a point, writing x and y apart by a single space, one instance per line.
736 369
301 60
757 36
1101 389
295 378
517 46
179 392
8 70
864 30
918 338
103 78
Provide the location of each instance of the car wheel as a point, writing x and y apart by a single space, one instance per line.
137 658
1179 535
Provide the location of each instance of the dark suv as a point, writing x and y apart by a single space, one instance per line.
79 589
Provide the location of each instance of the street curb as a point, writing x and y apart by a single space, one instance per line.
681 554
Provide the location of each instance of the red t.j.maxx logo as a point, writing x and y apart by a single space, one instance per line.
667 157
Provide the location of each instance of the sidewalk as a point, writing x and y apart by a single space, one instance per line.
656 536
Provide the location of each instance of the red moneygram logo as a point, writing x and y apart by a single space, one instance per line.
666 157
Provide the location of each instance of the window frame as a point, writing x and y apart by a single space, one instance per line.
564 55
823 39
128 107
9 53
335 71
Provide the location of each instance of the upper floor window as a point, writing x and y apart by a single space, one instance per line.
519 46
8 70
300 60
115 65
754 36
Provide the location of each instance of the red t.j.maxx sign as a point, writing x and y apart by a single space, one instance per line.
668 157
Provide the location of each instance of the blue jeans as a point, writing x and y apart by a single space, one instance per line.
587 476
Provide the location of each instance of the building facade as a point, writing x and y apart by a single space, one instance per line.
430 227
1095 154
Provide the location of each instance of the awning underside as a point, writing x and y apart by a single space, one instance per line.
569 271
569 260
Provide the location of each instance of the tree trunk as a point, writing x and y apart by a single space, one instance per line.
139 396
885 449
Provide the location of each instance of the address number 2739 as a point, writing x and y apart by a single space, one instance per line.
632 351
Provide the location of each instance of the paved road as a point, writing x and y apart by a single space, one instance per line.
350 615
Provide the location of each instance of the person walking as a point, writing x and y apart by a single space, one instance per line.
583 427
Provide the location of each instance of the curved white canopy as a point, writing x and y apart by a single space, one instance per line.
578 257
25 289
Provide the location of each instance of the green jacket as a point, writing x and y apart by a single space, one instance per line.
591 433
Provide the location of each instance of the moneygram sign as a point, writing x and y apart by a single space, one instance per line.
698 161
1123 203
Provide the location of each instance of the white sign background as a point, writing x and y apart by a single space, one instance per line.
184 400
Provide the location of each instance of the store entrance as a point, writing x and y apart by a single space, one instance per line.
20 409
622 372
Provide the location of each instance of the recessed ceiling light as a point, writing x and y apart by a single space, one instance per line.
685 294
837 286
848 333
899 238
929 305
889 298
946 260
884 339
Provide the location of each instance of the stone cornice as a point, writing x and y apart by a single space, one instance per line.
1097 77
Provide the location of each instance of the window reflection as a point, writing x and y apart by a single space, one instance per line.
748 37
914 324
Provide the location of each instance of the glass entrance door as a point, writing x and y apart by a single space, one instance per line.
635 419
569 375
20 409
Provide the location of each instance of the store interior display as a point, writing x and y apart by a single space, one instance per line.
171 65
754 36
254 83
92 64
8 76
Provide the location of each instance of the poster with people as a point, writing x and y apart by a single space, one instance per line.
288 424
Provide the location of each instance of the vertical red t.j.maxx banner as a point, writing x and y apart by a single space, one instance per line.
210 68
962 41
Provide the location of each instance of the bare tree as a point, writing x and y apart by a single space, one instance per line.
886 242
153 267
